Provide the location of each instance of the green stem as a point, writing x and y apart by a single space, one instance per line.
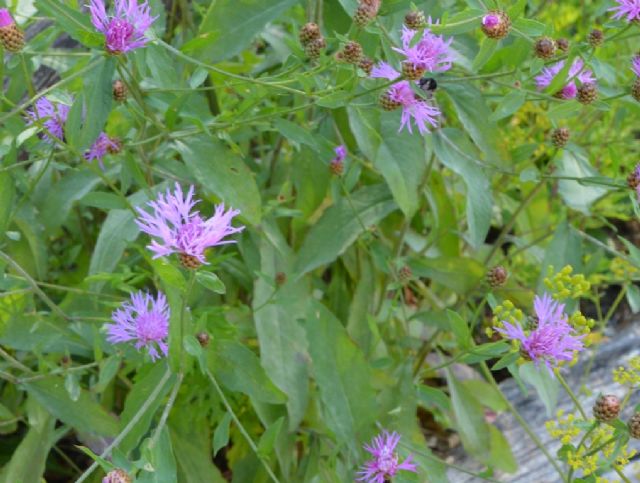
242 429
520 419
572 395
130 425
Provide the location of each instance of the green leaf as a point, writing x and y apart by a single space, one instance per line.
27 463
460 329
399 156
98 96
508 105
341 225
487 49
343 377
7 195
283 351
430 396
108 370
238 368
230 25
268 439
454 151
475 117
83 414
72 22
531 28
460 274
544 383
138 395
71 188
210 280
469 419
193 455
506 360
221 434
161 459
223 174
578 196
501 455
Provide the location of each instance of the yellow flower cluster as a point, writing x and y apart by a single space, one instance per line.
568 429
564 429
580 323
563 285
622 269
506 312
628 376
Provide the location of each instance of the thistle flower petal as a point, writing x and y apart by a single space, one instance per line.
125 29
52 116
628 9
144 322
385 463
576 72
178 229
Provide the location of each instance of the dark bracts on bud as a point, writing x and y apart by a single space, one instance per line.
411 71
595 38
366 64
12 38
500 29
587 93
544 48
560 137
562 45
336 167
635 90
606 408
497 276
634 426
314 48
203 339
387 103
367 11
351 53
119 91
309 31
189 261
415 20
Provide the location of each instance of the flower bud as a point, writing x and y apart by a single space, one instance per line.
606 408
496 24
120 91
117 476
11 36
560 137
497 276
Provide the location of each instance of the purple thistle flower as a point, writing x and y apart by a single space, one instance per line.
570 90
491 20
143 320
413 107
385 464
125 29
341 154
182 231
431 52
5 18
635 65
627 8
99 149
51 116
552 340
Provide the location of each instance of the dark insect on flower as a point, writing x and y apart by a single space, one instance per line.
428 84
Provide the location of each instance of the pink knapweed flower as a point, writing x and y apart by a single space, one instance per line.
491 20
341 154
576 71
431 53
125 29
52 117
180 230
627 8
413 107
385 463
5 18
99 149
552 340
635 65
144 321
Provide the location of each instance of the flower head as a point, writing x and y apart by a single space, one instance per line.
5 18
414 108
576 71
491 20
552 340
53 116
431 53
635 65
125 29
143 320
341 153
180 230
99 149
385 463
627 8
